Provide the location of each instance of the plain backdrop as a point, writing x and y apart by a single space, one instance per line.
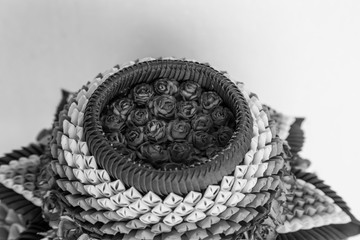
300 57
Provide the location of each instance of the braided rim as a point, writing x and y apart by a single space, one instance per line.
158 181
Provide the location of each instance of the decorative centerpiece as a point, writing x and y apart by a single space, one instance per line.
168 149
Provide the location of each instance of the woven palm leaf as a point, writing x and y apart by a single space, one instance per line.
255 187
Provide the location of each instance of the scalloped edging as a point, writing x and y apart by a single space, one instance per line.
327 216
10 178
336 231
13 193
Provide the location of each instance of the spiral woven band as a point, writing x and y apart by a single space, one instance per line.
179 181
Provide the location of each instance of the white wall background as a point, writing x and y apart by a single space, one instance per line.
301 57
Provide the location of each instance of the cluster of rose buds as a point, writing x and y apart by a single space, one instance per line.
168 125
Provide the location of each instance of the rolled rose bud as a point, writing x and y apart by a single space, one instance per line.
187 109
112 122
210 100
223 135
163 106
68 229
116 139
221 116
45 179
134 137
52 208
178 130
126 152
201 140
138 117
142 93
122 107
212 151
190 90
155 131
181 152
202 122
166 86
154 153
